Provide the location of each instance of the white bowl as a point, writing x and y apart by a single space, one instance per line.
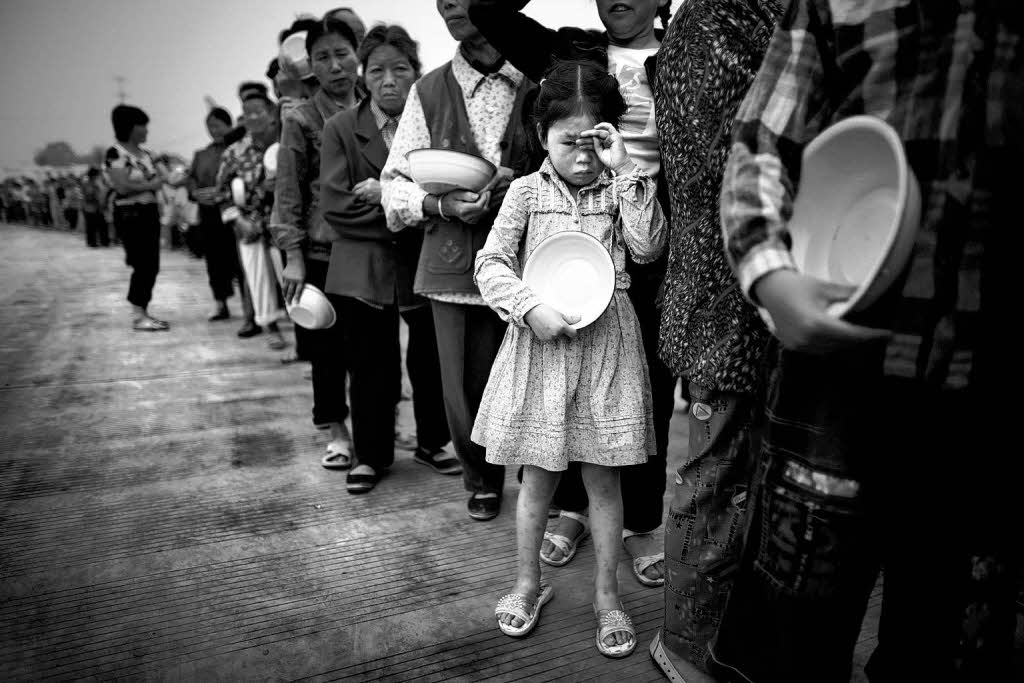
238 191
270 160
292 57
857 210
573 273
313 310
442 170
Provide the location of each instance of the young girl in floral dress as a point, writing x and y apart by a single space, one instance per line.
556 394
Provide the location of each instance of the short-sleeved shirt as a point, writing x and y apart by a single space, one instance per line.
638 127
140 167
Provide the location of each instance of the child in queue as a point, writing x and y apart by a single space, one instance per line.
556 394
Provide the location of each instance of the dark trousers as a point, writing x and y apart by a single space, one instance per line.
704 528
139 226
96 229
71 218
327 353
221 250
857 473
468 338
371 340
643 486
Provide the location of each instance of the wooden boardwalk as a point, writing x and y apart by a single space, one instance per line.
165 517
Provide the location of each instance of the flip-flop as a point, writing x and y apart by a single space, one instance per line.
657 651
515 604
611 621
568 546
337 458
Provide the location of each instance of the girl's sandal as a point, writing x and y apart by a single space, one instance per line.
611 621
568 546
515 604
642 563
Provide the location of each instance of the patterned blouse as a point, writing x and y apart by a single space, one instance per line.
489 100
244 160
709 56
622 212
140 167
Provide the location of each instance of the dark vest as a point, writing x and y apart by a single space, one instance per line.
450 246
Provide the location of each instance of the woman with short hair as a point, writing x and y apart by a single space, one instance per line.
372 269
135 180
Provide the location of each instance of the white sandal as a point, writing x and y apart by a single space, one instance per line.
642 563
611 621
568 546
337 457
515 604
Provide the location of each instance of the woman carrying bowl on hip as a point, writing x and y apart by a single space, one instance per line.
371 270
135 180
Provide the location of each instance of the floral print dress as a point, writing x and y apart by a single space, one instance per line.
587 399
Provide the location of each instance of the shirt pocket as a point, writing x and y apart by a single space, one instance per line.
449 249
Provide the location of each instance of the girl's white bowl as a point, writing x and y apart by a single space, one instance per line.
313 310
442 170
573 273
857 210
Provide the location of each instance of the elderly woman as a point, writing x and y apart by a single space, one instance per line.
135 180
372 269
244 160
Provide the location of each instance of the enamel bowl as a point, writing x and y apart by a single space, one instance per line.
313 310
857 211
238 191
292 57
573 273
442 170
270 160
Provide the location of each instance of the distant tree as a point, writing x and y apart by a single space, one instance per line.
55 154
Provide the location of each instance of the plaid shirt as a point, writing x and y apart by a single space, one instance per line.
936 71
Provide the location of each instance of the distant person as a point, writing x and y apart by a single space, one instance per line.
244 161
219 246
96 234
136 181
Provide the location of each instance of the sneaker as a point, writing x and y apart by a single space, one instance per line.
221 313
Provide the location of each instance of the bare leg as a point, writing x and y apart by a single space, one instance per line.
531 518
605 495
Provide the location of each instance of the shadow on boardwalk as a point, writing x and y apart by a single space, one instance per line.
165 515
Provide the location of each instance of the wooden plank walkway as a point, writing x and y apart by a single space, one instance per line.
164 515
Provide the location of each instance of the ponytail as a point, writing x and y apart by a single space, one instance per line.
665 14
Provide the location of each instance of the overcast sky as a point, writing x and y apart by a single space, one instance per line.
58 60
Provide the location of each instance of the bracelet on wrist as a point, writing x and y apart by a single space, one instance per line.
440 211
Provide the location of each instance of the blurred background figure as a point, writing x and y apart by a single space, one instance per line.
218 240
93 199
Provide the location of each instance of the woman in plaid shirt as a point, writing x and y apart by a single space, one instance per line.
877 423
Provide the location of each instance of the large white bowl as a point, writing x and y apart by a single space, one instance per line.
573 273
313 310
857 210
270 159
442 170
292 57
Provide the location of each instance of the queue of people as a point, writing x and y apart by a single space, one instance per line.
676 142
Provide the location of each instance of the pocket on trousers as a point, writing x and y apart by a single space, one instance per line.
806 539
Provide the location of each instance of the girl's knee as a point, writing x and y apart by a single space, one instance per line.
600 478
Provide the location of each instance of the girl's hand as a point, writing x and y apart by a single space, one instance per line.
799 308
607 143
548 324
368 190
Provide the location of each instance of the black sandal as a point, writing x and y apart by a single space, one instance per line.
440 460
361 483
